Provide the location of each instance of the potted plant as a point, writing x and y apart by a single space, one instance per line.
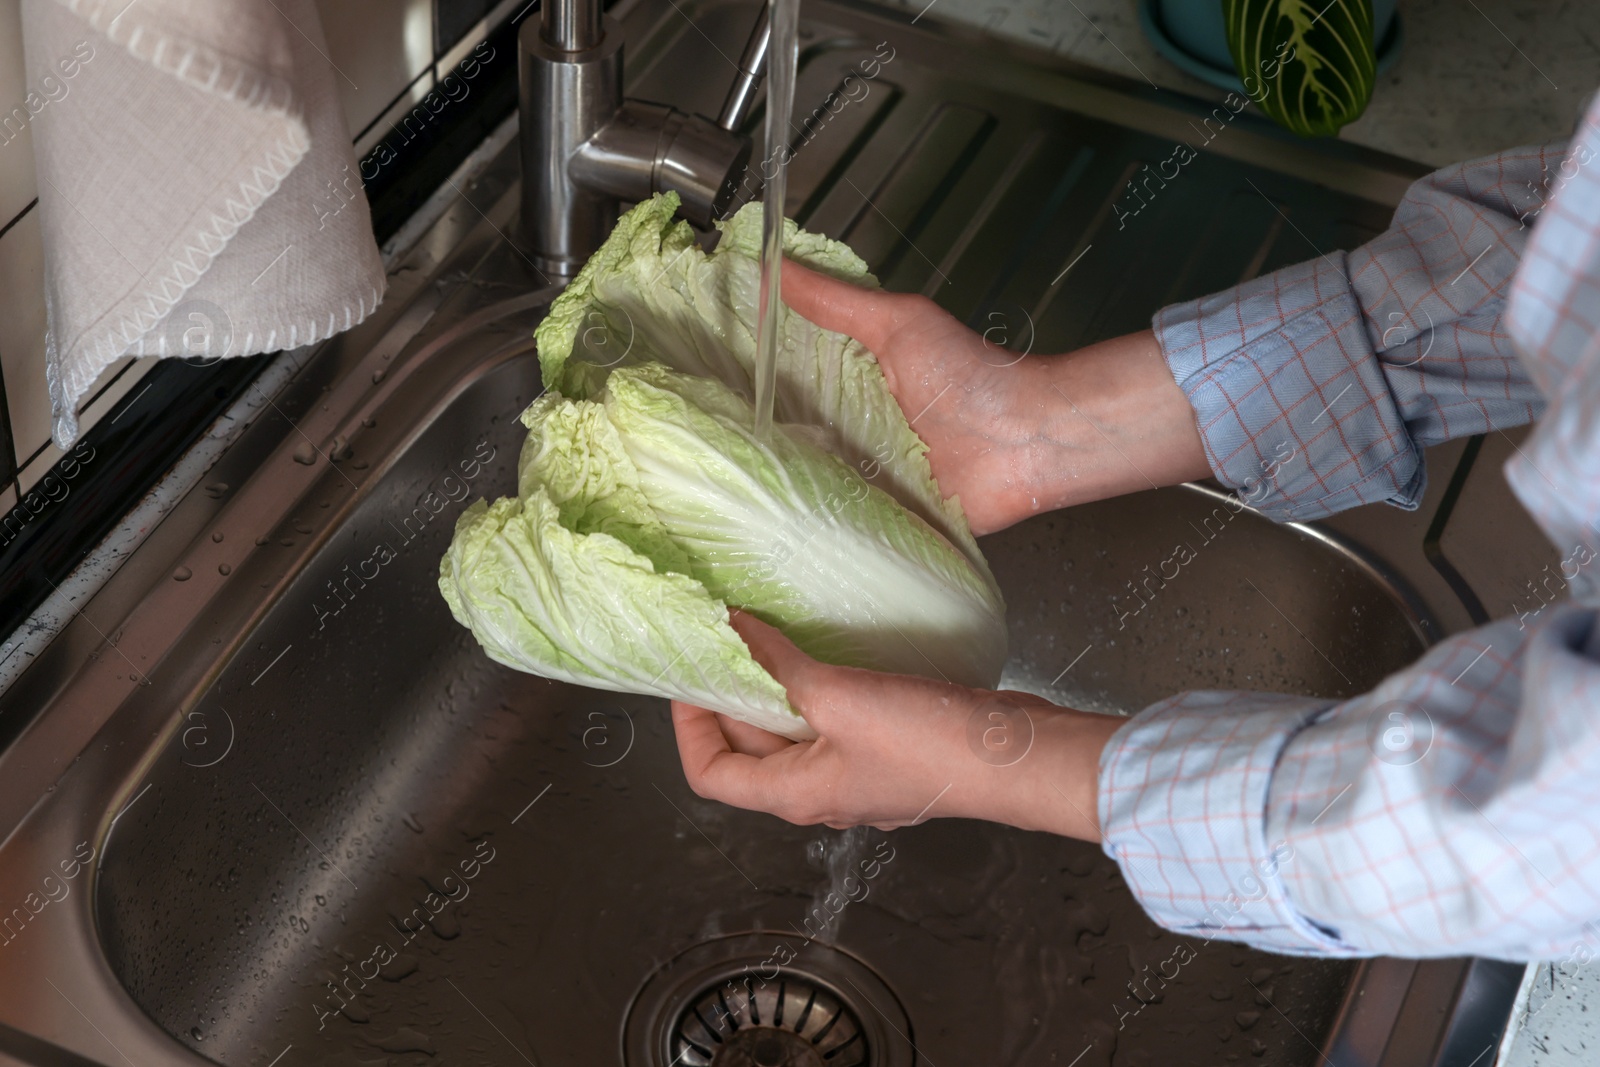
1310 65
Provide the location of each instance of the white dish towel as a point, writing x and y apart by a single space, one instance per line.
197 186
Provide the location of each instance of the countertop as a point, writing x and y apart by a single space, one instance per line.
1472 78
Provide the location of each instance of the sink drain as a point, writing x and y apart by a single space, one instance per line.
790 1021
728 1003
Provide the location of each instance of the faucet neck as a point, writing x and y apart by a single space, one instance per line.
570 25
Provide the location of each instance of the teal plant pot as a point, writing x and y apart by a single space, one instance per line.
1190 34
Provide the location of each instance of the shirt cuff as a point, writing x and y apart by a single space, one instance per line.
1183 811
1291 402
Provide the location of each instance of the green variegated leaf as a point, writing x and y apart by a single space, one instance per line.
1309 64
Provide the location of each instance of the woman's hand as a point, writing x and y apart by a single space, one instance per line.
894 750
1013 435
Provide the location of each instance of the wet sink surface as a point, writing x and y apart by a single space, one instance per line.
366 843
408 852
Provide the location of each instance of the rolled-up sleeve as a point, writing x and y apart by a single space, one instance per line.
1455 809
1317 387
1448 812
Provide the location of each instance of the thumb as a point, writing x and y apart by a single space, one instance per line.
868 315
776 653
812 687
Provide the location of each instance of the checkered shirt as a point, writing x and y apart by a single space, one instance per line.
1455 809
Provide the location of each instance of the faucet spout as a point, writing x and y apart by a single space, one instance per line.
586 150
752 68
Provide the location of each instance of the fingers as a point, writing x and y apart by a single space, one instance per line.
868 315
713 769
751 740
700 738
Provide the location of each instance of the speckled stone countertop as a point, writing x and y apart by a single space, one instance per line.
1473 77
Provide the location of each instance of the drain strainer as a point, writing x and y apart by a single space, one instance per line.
766 1000
790 1021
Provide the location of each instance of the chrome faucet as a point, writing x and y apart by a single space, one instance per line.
585 149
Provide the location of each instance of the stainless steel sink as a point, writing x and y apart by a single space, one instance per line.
307 821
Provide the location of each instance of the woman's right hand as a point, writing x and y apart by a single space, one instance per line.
893 750
1014 435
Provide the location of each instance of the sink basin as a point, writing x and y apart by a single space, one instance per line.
310 822
376 750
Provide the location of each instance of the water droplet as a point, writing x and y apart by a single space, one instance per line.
216 489
224 570
182 574
405 1040
399 968
217 537
411 822
301 526
379 375
194 1032
305 454
445 926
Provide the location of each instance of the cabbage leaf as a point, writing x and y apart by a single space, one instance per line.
650 293
647 507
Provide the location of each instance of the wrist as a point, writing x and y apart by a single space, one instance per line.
1115 422
1039 766
1062 786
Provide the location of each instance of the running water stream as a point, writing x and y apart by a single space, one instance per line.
782 59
